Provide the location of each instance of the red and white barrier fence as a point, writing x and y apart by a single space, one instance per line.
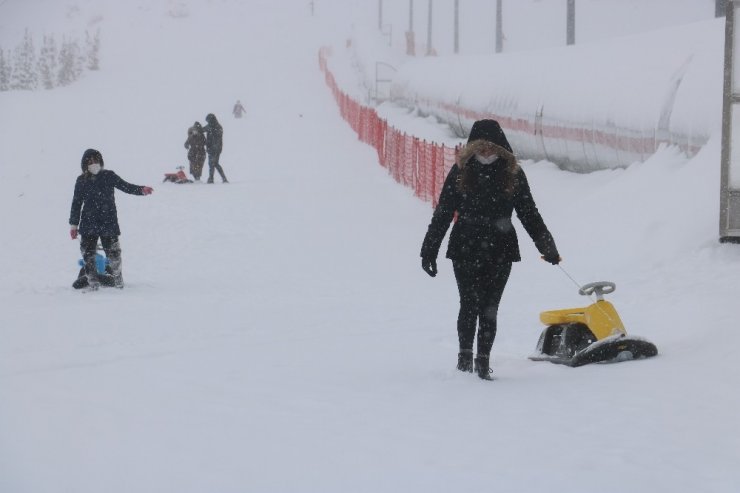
411 161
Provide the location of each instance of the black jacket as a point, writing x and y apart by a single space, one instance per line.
94 202
214 137
483 229
195 144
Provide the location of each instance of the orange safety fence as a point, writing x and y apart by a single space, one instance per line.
411 161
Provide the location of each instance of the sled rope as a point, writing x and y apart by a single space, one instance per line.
578 285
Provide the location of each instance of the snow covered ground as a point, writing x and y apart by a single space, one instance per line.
278 334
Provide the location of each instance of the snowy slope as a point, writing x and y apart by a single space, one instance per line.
278 334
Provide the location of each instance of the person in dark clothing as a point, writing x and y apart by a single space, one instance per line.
483 189
196 146
93 215
214 145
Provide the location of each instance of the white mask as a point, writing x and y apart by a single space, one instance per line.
486 160
94 168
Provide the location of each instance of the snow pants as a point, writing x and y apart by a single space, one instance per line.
112 248
480 285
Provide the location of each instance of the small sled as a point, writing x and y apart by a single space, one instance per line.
105 274
592 334
179 177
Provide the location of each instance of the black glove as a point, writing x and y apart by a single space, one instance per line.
554 259
429 265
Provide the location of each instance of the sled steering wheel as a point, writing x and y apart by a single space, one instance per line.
600 288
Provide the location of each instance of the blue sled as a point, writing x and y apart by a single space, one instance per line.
101 262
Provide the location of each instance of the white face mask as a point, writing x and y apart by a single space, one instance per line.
94 168
486 160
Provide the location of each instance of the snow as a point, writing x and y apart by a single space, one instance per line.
278 334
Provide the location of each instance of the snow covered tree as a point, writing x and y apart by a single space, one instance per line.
70 66
5 71
47 63
24 68
93 50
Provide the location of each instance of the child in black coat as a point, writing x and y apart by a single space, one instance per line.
93 215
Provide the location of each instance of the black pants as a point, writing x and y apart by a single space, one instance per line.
214 166
480 285
112 248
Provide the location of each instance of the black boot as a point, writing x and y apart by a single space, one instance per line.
91 272
483 367
465 361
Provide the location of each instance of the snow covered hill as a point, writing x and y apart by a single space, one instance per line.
277 334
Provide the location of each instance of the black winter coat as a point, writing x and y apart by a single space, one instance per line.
483 230
214 137
94 202
195 145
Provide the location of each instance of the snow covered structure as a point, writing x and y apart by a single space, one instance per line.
585 107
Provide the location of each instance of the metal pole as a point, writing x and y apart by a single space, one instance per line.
499 27
457 26
720 8
571 23
411 16
727 141
410 35
429 30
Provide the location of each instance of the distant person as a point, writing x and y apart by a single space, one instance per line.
214 145
196 146
484 187
238 110
93 215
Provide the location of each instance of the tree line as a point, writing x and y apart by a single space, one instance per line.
54 64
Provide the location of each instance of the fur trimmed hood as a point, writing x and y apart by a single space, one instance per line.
487 133
472 148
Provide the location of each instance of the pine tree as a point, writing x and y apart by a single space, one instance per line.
24 70
47 63
69 66
93 50
79 65
5 71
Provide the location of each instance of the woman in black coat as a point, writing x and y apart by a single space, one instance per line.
483 189
93 215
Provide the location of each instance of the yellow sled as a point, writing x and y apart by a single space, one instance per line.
592 334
